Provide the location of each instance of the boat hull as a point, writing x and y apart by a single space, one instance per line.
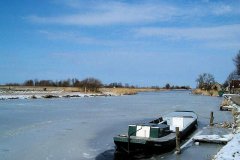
135 144
144 146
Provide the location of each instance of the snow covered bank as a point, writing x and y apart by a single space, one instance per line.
48 94
231 151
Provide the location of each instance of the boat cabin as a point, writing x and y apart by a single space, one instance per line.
162 126
148 130
181 122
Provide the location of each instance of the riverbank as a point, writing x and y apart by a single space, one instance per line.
205 92
29 92
232 149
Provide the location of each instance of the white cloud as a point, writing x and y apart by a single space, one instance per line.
197 33
98 13
221 9
227 44
220 37
113 13
74 37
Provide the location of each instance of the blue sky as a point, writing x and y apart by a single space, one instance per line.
139 42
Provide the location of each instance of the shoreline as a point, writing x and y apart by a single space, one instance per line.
231 150
30 92
213 93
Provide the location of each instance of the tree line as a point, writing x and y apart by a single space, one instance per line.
73 83
168 86
91 84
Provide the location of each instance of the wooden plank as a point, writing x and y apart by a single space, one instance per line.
214 135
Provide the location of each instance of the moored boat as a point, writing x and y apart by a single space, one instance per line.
158 135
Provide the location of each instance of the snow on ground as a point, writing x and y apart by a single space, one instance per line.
223 138
231 151
47 94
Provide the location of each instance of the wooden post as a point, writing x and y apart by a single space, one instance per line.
178 151
211 119
128 144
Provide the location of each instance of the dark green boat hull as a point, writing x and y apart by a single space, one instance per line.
150 145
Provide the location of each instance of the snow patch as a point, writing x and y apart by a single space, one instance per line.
231 151
223 138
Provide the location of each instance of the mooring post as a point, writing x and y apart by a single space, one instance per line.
211 119
178 151
128 144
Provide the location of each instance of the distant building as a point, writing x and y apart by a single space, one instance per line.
234 84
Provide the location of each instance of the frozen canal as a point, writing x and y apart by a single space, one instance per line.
82 128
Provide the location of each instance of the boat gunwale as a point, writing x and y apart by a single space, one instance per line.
194 121
158 144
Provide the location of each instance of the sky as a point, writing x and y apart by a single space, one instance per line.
140 42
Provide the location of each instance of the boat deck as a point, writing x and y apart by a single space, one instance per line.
161 139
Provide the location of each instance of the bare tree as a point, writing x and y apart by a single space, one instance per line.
236 60
229 78
167 86
205 81
28 83
91 84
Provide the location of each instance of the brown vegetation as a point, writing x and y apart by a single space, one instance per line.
205 92
225 102
103 90
127 91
